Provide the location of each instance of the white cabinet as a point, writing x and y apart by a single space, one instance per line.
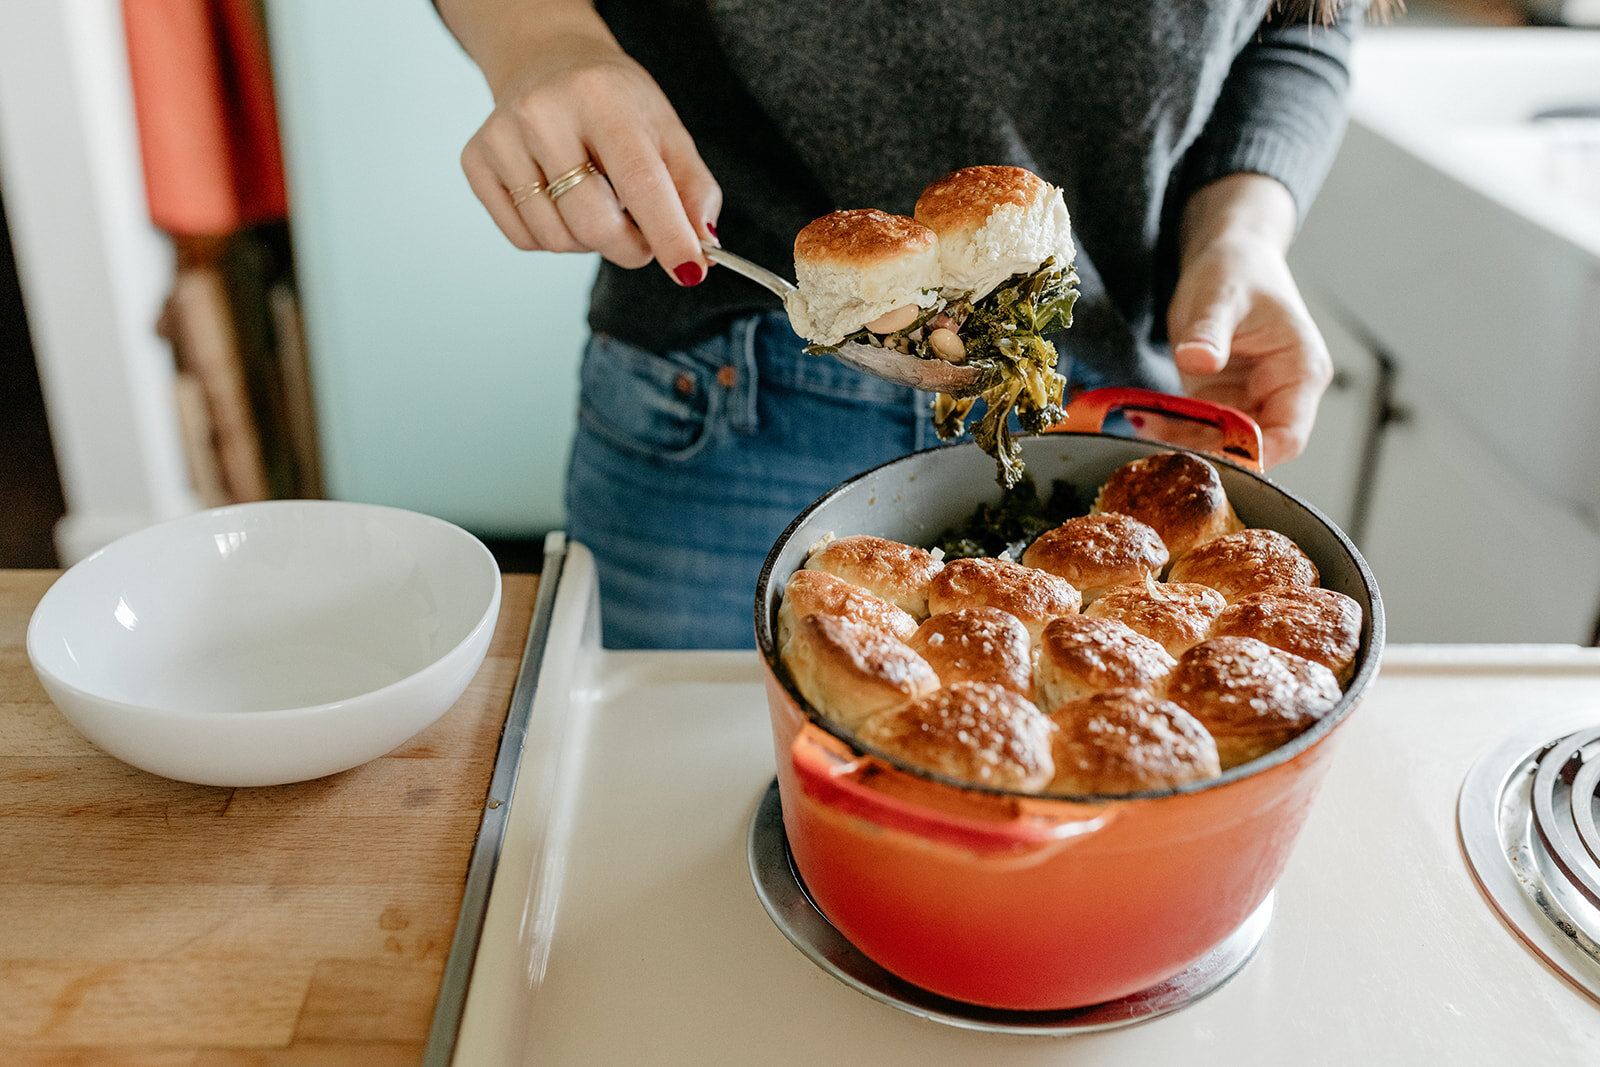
1464 548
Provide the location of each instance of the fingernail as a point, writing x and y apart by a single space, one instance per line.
689 273
1136 421
712 230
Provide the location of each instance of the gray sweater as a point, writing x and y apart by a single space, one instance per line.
800 107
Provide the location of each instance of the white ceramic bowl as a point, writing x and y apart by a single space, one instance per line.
267 643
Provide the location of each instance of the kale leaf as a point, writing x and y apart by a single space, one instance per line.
1004 334
1012 522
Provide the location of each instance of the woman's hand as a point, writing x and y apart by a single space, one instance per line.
1240 332
566 93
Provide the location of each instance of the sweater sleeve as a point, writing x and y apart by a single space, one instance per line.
1282 109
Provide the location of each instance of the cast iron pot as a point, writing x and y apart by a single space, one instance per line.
1016 901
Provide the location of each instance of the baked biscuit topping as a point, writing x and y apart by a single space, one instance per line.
1154 684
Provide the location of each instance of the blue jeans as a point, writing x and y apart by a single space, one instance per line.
689 464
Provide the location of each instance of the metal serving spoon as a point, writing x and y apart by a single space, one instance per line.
933 375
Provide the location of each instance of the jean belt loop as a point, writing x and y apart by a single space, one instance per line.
921 420
742 414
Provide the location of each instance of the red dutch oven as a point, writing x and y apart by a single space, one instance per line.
1017 901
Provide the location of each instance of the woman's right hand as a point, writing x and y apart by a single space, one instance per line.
565 92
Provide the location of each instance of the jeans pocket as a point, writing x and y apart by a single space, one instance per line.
659 406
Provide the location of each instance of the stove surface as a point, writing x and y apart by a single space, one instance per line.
624 926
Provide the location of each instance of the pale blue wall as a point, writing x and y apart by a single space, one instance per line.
444 360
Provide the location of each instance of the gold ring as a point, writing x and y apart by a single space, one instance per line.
523 192
566 182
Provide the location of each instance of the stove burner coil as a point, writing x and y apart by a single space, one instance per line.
1563 809
1527 823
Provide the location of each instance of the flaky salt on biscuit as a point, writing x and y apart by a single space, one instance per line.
1250 696
821 593
1322 625
1098 552
1080 656
850 671
1033 596
977 645
898 573
1177 493
1245 562
971 731
1176 615
1126 741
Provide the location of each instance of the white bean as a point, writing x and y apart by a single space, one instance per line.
898 319
947 346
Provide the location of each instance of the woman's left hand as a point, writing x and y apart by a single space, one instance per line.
1240 331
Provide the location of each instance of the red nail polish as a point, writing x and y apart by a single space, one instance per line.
712 230
689 273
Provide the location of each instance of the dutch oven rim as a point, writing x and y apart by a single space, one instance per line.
1369 654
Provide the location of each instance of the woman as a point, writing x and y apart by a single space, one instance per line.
1188 139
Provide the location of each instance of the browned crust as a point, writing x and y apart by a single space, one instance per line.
1033 596
964 199
849 671
1251 696
977 645
1322 625
1095 552
861 237
1244 562
899 573
811 592
1079 654
1178 615
972 731
1177 493
1125 740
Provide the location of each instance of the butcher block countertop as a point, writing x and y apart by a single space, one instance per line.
145 921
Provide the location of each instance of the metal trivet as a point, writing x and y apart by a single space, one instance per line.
778 885
1527 820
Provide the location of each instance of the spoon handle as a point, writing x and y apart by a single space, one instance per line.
779 285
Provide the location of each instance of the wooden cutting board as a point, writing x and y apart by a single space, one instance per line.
147 921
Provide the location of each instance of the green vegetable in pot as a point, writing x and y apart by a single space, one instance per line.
1012 522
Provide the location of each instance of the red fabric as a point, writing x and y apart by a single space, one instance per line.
208 128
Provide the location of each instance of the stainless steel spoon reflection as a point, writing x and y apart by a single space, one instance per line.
933 375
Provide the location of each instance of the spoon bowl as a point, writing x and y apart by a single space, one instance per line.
932 375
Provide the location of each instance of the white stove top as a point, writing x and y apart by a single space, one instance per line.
624 929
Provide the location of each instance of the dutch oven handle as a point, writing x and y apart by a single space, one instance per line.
1241 437
837 778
